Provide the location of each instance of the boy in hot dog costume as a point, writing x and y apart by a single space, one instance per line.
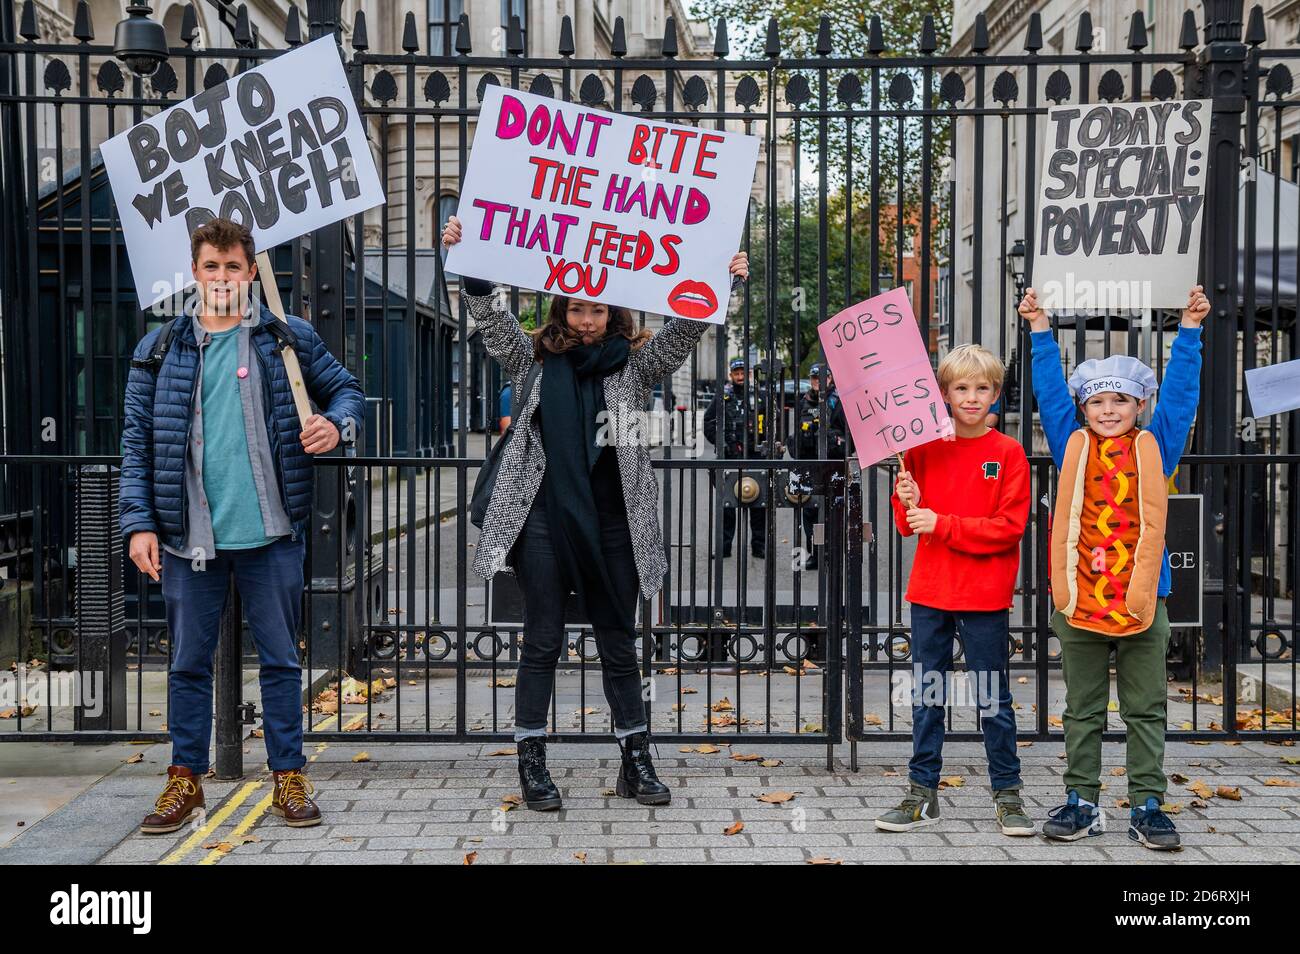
1109 566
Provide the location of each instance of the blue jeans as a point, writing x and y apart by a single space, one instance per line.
985 640
545 596
270 583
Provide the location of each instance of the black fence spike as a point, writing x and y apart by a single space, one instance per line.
875 36
1187 34
567 47
928 41
772 46
824 36
669 46
243 32
1034 35
618 46
410 36
360 36
1255 33
1083 42
293 27
27 28
1137 31
463 45
515 37
82 28
981 41
721 42
189 25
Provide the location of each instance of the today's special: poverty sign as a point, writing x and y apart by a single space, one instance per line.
571 200
883 375
1121 205
279 148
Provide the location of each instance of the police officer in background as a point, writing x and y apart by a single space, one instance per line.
816 413
738 437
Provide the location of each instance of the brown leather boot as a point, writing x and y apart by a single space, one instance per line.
180 798
291 799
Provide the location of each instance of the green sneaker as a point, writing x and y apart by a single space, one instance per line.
920 806
1012 817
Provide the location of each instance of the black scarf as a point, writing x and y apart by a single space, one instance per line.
573 394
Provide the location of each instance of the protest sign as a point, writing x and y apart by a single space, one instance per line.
1121 205
883 375
1274 388
571 200
279 148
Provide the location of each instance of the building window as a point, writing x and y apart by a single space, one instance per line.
444 15
514 8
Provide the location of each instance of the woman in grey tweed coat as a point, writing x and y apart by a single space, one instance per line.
530 525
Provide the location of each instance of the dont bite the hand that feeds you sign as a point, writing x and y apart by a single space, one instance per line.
279 148
570 200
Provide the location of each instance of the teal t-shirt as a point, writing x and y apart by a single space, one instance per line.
227 471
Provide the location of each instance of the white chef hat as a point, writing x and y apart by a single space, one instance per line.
1119 373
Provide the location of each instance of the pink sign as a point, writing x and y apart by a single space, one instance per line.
883 375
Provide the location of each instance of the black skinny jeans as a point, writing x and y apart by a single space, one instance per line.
543 634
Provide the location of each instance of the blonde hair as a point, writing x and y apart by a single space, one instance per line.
971 361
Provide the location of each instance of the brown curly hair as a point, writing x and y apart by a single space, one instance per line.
556 336
223 235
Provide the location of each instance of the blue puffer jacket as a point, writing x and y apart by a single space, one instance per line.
156 430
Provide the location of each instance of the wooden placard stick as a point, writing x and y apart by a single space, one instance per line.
902 467
291 366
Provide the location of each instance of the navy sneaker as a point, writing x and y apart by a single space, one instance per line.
1150 827
1072 821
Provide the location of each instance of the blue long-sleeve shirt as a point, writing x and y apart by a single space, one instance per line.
1176 403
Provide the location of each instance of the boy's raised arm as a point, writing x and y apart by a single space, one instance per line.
1180 391
1056 408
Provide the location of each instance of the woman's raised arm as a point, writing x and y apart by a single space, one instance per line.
503 339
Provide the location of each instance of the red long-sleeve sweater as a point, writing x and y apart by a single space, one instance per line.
979 488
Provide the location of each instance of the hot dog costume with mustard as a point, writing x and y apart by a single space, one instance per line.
1109 564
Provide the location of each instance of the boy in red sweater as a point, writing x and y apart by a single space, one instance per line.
968 500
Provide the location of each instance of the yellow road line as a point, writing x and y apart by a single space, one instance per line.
215 819
255 813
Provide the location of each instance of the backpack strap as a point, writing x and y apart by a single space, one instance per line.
153 363
282 333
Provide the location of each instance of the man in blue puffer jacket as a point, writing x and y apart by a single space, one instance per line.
217 480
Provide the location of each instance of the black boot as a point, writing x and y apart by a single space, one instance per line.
540 793
636 776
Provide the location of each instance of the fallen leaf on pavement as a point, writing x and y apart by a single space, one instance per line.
1201 789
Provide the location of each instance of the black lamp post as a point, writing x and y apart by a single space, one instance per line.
1016 262
140 42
